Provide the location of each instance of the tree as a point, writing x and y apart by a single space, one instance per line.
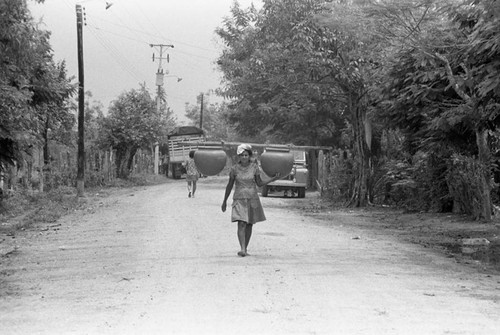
194 112
8 149
31 85
133 122
475 79
350 61
303 76
269 76
444 83
51 91
215 119
166 112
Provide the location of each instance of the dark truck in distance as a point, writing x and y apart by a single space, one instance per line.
295 184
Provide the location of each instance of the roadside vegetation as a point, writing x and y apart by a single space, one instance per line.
25 207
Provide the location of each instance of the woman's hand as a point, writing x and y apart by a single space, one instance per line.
260 182
223 207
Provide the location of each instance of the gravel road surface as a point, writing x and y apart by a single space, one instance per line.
153 261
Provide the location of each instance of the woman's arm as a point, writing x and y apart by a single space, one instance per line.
260 182
229 188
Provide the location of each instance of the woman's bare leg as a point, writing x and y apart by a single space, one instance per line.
248 234
242 238
194 187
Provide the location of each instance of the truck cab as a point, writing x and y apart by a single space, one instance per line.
294 184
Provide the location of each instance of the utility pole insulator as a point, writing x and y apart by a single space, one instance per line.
160 59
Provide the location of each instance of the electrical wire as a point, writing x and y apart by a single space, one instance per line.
141 33
156 36
121 35
164 38
112 50
138 34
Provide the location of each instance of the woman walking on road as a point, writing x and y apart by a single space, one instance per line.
191 174
247 208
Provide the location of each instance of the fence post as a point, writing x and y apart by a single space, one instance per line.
321 172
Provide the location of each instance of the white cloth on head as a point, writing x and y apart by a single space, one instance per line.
242 148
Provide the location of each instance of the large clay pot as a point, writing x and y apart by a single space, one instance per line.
276 160
210 160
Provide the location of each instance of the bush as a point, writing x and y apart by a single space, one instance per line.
33 206
464 181
340 178
55 177
416 186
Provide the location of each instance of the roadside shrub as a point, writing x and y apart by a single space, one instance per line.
340 178
14 203
387 179
429 172
464 180
55 177
94 178
35 206
419 185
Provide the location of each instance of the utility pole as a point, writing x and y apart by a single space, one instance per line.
201 113
80 176
159 83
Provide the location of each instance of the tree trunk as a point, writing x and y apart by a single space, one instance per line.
485 178
124 159
361 152
131 159
46 154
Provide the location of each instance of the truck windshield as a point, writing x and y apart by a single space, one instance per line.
299 155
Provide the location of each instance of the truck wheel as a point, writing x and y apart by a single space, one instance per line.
302 192
265 191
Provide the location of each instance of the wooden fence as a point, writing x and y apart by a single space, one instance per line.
100 168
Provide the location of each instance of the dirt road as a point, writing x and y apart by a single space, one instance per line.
152 261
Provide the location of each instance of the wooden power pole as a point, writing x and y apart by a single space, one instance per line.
201 113
80 176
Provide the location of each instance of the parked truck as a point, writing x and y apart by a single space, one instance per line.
176 152
294 184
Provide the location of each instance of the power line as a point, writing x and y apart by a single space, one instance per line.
154 35
111 49
187 61
151 22
120 35
164 38
124 8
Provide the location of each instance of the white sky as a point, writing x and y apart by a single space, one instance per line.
116 44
